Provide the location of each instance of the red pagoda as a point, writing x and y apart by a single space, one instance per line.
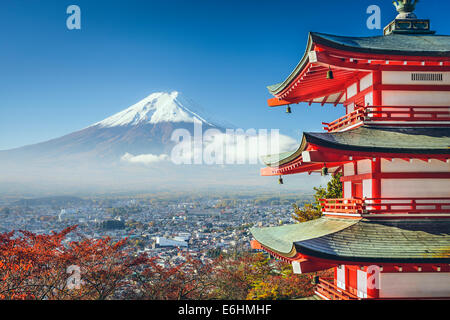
389 237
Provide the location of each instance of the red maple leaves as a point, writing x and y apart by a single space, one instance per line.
35 266
45 267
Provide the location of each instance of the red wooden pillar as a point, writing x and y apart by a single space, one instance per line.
376 181
373 281
377 94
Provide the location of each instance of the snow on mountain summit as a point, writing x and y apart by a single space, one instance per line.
156 108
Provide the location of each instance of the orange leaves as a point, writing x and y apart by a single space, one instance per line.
25 260
282 284
36 267
163 279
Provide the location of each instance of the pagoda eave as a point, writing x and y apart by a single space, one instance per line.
301 168
383 47
334 149
308 82
328 240
313 262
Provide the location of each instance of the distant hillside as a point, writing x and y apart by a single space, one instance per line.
132 151
55 201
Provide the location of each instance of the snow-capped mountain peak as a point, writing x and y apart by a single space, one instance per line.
156 108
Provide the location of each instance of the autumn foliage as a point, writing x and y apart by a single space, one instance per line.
45 267
38 266
311 211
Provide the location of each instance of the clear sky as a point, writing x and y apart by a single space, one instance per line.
221 54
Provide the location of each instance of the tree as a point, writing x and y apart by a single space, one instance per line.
235 276
312 211
31 266
283 284
36 266
308 212
162 279
104 267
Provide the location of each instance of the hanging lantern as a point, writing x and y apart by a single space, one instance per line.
324 171
280 180
288 109
330 73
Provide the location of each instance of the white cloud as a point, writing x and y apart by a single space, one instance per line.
237 147
144 158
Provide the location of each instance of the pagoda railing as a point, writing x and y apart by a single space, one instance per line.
390 115
332 292
386 205
406 205
342 205
345 121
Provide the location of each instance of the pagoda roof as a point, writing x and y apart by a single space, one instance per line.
427 140
392 44
281 239
391 140
398 45
378 241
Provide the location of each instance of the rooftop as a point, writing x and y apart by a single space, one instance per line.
413 140
389 241
401 45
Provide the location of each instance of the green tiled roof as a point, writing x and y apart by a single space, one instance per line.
274 159
406 240
373 139
281 239
397 44
392 44
395 140
417 240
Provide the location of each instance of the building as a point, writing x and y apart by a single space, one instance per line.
165 242
389 237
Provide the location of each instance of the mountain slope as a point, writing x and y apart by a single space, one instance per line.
157 108
129 150
145 127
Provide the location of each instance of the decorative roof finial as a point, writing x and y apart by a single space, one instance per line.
405 8
406 21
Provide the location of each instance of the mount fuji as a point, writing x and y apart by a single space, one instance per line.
159 107
128 151
143 128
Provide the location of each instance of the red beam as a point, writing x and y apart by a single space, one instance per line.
387 267
378 56
275 102
411 87
357 177
413 175
397 175
359 95
319 94
324 59
322 157
289 169
359 155
339 98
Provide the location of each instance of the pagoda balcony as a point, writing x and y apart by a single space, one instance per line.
326 289
391 115
376 206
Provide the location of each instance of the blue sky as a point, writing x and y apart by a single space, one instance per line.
221 54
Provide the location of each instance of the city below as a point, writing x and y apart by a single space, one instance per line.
204 226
